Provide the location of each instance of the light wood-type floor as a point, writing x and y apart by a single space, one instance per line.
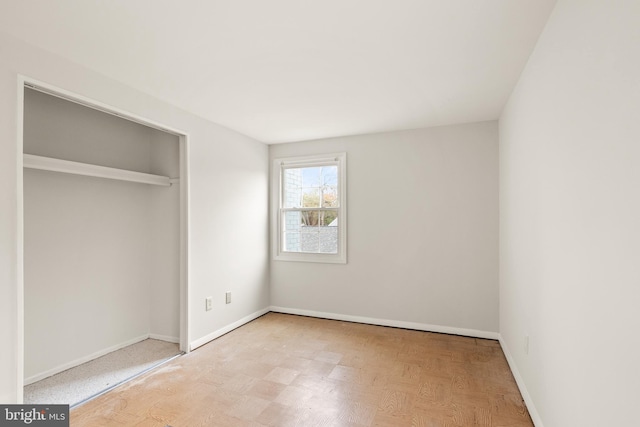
284 370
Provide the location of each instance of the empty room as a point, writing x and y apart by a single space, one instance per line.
331 213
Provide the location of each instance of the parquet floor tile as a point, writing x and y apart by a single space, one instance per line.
284 370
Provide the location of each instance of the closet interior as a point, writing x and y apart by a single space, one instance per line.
101 236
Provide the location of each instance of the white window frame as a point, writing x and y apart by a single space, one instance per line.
277 189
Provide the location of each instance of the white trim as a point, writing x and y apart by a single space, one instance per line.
32 379
533 412
58 92
165 338
185 222
310 257
215 334
393 323
66 166
309 209
19 374
298 162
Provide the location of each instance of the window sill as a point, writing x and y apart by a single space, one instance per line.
304 257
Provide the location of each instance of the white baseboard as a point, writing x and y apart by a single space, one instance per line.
32 379
535 417
215 334
393 323
166 338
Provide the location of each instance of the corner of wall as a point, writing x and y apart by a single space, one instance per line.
531 407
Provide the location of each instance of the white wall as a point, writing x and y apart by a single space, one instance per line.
86 268
228 200
101 257
569 217
422 237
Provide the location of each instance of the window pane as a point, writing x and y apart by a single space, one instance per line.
330 197
292 225
292 197
312 177
310 239
328 239
311 231
310 187
310 197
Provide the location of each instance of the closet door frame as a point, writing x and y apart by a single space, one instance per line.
23 82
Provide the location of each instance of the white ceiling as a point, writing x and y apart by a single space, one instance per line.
290 70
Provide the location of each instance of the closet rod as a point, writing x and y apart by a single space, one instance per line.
65 166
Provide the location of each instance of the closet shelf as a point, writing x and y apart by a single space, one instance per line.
65 166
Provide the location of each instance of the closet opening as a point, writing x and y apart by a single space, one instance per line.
102 245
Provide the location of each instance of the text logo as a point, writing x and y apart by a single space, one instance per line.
34 415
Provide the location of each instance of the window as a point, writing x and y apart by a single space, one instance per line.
310 218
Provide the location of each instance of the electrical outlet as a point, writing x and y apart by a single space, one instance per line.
207 303
228 297
526 344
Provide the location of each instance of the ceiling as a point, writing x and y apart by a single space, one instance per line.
292 70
